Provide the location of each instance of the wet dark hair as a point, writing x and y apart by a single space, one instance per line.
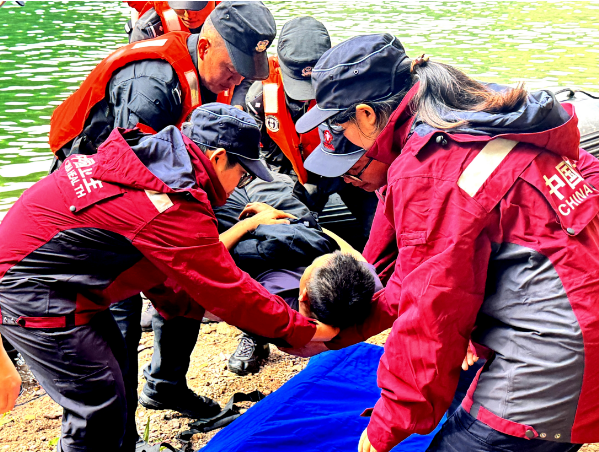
443 92
232 160
340 292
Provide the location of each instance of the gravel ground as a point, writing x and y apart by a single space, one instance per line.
35 426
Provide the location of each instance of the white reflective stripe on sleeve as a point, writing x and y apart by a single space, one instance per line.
152 43
160 200
172 20
270 98
483 165
194 87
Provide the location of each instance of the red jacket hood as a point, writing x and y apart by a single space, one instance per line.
167 162
540 109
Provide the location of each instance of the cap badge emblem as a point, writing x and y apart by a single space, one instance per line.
307 71
272 123
262 45
328 140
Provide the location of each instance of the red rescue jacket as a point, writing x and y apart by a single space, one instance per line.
280 126
496 237
107 226
69 117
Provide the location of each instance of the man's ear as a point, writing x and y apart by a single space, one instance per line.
218 158
303 296
217 154
203 46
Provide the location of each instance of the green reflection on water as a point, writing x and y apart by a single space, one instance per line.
47 49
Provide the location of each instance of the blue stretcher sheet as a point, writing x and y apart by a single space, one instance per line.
318 409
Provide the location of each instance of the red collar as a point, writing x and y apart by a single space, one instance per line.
394 136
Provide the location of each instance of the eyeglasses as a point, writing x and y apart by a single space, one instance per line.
245 179
356 177
334 127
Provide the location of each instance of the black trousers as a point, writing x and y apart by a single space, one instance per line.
463 433
84 370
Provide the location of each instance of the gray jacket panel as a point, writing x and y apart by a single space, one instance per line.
526 318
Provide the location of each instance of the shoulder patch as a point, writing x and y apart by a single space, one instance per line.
161 201
272 123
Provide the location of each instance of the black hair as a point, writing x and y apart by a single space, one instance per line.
444 91
232 160
340 292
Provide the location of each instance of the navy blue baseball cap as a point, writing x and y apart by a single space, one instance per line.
248 29
363 68
217 125
335 155
302 42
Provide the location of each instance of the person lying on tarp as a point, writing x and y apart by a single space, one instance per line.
294 262
136 216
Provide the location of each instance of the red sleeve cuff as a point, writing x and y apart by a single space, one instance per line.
379 434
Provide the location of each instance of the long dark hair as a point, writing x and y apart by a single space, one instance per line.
445 90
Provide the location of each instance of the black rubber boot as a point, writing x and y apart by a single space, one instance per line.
248 355
185 402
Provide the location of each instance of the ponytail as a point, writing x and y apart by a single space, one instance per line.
445 91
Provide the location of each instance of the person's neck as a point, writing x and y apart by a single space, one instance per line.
206 95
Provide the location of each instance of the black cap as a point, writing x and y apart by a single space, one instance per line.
335 155
302 42
363 68
218 125
248 29
189 6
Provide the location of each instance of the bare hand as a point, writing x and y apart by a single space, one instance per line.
364 445
253 208
470 358
272 216
308 350
10 383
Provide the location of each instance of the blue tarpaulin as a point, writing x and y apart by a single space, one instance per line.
318 409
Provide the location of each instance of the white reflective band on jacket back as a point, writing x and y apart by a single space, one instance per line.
160 200
194 87
152 43
483 165
172 20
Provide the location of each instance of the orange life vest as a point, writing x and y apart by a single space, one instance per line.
280 126
171 22
69 117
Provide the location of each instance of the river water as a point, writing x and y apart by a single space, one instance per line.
47 49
